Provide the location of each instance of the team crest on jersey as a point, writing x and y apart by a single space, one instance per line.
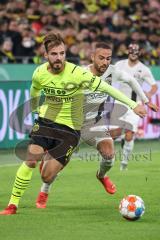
35 127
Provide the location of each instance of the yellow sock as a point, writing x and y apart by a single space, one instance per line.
23 177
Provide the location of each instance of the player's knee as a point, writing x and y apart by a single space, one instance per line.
106 149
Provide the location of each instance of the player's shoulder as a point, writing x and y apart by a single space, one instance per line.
40 73
109 71
41 68
115 71
120 62
143 66
76 71
111 68
87 67
73 68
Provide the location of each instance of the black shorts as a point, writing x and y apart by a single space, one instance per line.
58 139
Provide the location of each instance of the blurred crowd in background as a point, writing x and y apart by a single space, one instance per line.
23 25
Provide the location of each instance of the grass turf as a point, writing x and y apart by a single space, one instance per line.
78 207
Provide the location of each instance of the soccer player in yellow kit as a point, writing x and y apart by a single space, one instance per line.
56 133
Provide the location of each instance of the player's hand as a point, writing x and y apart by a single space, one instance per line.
153 107
140 110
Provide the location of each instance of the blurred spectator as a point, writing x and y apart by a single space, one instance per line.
38 58
26 46
73 54
82 23
6 53
13 33
3 29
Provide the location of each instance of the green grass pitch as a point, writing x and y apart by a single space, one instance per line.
78 207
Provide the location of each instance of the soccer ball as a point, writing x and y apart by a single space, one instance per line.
132 207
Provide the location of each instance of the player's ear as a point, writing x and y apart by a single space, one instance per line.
92 57
46 55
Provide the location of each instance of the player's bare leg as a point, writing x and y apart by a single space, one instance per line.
46 187
49 171
106 149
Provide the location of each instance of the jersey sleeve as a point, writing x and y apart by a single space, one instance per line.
36 79
124 77
148 77
95 83
35 91
118 65
115 93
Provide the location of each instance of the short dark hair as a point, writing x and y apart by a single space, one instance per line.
52 39
103 45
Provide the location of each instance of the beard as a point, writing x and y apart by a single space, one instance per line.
101 69
56 66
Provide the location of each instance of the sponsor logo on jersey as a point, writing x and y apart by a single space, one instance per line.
53 91
96 95
59 99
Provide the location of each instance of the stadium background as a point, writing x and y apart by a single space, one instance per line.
82 23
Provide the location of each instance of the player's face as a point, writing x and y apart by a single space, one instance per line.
133 54
133 57
56 57
101 60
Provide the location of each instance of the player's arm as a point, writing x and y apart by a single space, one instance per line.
149 94
148 77
133 83
35 92
115 93
94 83
152 91
98 85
